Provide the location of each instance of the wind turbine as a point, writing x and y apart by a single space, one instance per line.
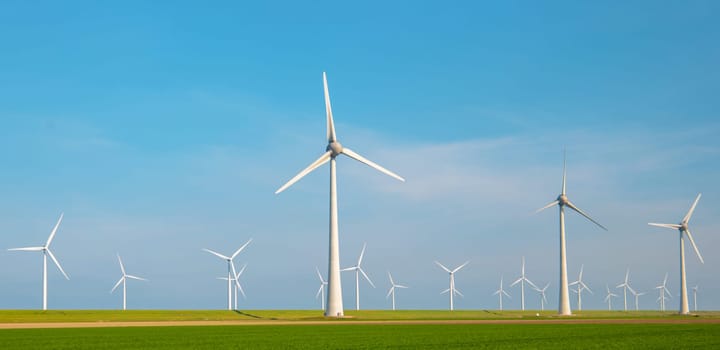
46 251
562 201
123 280
358 270
237 284
684 231
231 269
500 292
637 298
522 280
609 296
392 289
663 291
695 289
543 300
321 291
334 149
452 290
580 287
625 286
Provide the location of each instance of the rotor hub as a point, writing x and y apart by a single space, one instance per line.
562 199
335 147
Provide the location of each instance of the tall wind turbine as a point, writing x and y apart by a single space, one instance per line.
500 292
392 289
625 286
452 290
334 149
358 270
231 269
695 289
522 280
580 287
684 231
46 251
543 300
637 298
663 291
321 292
123 280
238 286
562 201
609 296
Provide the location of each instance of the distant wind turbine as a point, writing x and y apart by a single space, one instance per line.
238 285
392 289
609 296
46 251
625 286
663 291
543 300
452 290
522 280
637 298
334 149
695 289
562 201
231 270
123 280
358 270
580 287
500 292
321 291
684 231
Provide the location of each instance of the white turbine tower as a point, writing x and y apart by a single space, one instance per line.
543 300
663 291
500 292
238 286
452 290
232 274
321 291
562 201
46 251
684 231
695 289
609 296
358 270
123 280
580 287
334 149
392 289
637 298
625 286
522 280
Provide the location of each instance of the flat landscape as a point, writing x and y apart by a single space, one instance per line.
304 329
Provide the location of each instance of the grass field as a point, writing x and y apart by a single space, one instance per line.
340 334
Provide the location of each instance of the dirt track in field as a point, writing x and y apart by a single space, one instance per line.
351 322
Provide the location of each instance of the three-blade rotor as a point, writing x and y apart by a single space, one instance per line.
358 267
46 248
683 227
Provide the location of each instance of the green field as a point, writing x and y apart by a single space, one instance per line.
261 333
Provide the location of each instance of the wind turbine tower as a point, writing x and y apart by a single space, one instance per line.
522 280
393 285
500 292
609 296
452 290
358 270
580 287
321 292
123 280
334 149
231 272
625 286
684 230
562 201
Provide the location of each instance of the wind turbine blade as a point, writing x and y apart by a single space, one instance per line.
497 292
581 272
445 291
564 170
552 204
234 273
319 275
352 268
673 226
579 211
328 112
317 163
54 231
241 290
586 287
240 249
57 264
531 284
627 276
460 267
390 292
28 249
122 268
516 281
136 278
216 254
686 219
350 153
573 283
689 235
631 290
391 280
242 269
458 292
117 284
443 267
366 277
506 294
401 286
362 253
319 291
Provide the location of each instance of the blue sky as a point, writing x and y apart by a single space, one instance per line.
160 129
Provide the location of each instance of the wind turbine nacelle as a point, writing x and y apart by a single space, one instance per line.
335 147
562 199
